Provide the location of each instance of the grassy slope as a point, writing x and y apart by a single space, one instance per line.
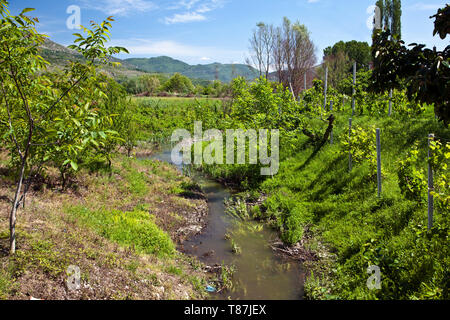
343 211
120 230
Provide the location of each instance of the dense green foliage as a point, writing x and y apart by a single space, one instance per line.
354 51
339 60
178 84
315 192
424 72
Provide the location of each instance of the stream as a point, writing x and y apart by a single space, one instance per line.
259 273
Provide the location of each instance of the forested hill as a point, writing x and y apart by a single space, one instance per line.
58 55
224 72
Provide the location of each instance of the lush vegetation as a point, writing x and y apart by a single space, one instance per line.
177 85
75 121
314 192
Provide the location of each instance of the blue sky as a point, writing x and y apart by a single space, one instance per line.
206 31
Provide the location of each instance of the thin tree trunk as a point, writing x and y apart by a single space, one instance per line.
12 218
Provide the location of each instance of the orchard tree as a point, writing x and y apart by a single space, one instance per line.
41 113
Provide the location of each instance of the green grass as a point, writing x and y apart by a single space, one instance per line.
6 284
43 255
132 229
157 118
136 182
174 270
344 212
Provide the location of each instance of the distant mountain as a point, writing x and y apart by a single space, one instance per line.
158 65
59 56
224 72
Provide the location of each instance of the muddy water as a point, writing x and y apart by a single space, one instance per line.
259 273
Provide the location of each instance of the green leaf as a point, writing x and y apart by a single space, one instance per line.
27 10
73 165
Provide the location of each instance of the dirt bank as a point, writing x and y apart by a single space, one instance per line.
51 237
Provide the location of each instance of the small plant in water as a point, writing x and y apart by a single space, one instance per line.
237 208
235 248
226 276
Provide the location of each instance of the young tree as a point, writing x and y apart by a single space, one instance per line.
32 102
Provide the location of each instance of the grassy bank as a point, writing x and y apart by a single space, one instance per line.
120 229
314 200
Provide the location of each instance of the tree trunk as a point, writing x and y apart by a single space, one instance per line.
63 181
12 218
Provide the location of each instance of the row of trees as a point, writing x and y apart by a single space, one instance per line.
154 85
286 49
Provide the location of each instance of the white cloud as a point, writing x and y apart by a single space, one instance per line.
313 1
120 7
184 4
186 17
194 10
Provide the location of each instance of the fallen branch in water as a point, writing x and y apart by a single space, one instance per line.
297 251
